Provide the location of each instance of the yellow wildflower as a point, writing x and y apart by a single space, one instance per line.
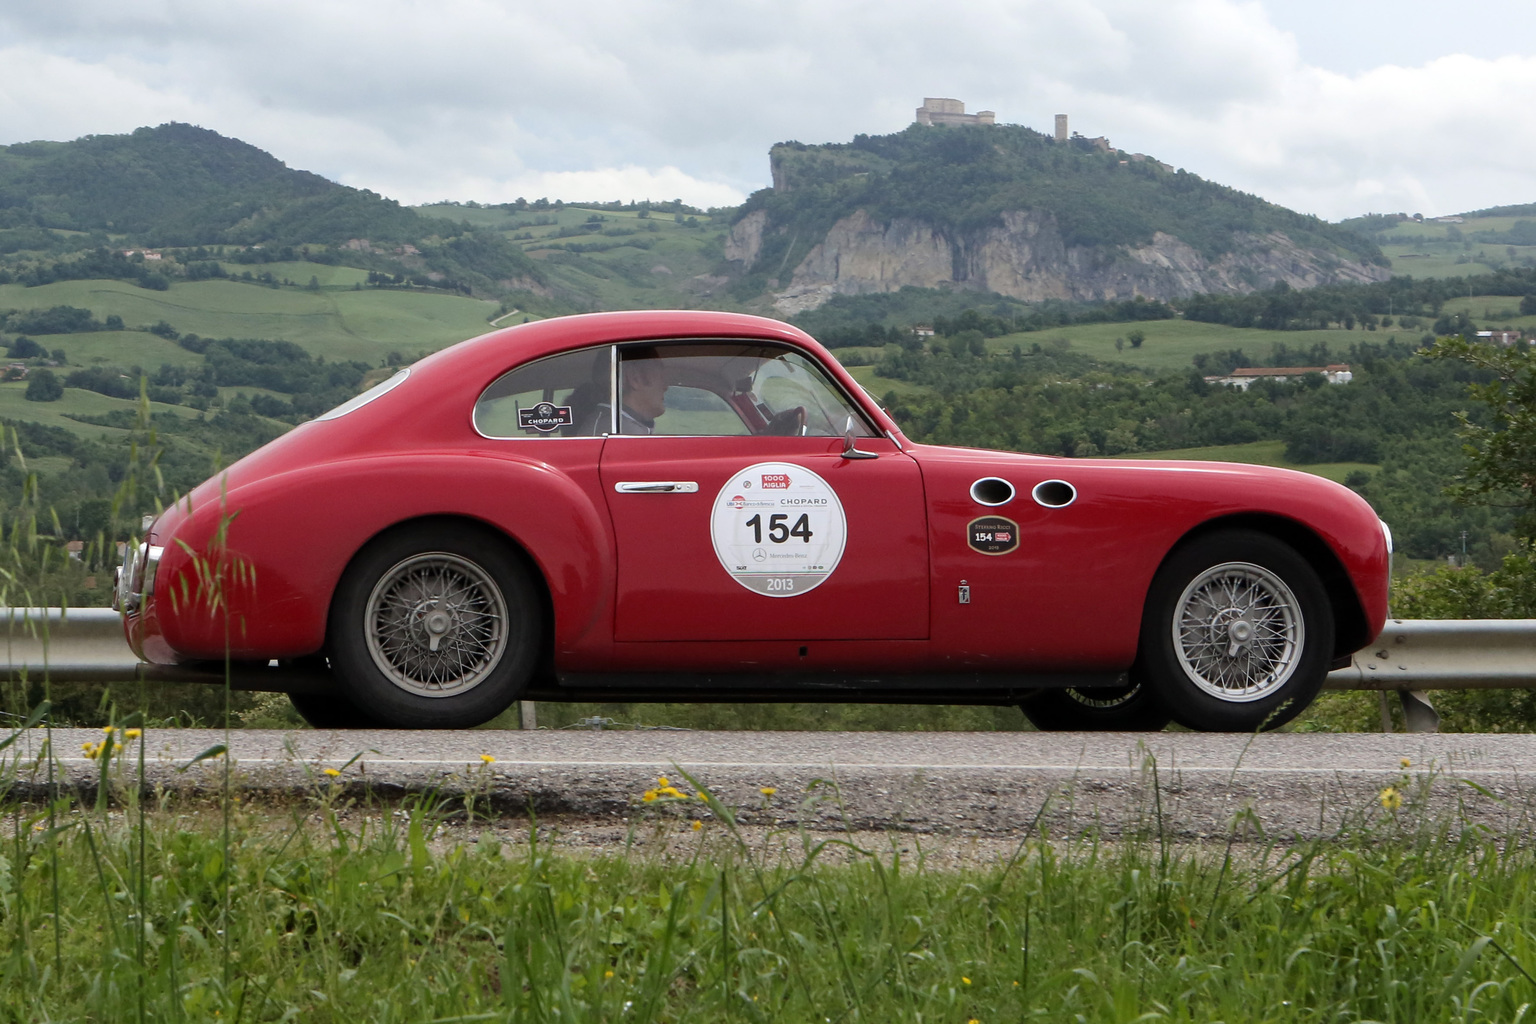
1391 798
768 790
648 796
109 729
133 734
487 758
661 780
332 772
964 980
607 974
1407 762
697 824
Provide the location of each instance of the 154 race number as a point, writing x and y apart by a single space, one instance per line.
778 529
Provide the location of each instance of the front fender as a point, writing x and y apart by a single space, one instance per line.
252 572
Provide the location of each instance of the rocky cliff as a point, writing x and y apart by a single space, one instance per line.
1024 255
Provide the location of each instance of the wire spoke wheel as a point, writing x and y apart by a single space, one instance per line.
1238 632
436 624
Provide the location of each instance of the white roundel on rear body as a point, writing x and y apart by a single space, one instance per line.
778 529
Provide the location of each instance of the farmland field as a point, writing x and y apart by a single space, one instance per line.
342 324
1171 344
14 406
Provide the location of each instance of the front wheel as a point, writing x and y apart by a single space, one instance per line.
435 627
1237 634
1130 708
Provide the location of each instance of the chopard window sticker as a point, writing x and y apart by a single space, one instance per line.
778 529
544 417
992 535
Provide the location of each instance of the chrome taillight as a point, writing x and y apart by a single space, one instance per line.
136 577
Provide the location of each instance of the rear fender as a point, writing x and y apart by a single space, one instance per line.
260 564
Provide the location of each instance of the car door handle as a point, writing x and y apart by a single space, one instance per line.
656 486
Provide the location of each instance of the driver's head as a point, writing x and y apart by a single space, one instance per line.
645 384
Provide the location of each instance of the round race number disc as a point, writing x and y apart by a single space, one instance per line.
778 529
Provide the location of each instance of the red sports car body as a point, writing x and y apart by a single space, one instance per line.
691 505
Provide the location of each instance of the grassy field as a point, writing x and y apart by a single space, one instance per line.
1171 344
14 406
881 386
326 912
300 271
1430 249
120 348
342 324
1492 312
650 262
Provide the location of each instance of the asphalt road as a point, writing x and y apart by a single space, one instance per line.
1191 786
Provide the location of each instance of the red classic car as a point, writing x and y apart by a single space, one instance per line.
706 506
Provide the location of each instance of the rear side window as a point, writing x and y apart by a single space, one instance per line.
562 396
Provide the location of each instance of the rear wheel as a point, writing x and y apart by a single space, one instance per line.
1237 635
1130 708
435 627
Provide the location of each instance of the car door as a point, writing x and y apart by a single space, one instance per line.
729 529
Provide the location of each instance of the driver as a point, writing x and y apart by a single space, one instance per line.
644 385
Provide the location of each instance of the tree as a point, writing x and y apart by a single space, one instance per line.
43 386
23 347
1501 456
1136 337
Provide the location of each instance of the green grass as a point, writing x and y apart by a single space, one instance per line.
1258 453
300 271
1430 250
341 324
880 386
119 348
1171 344
1492 312
1429 261
14 406
320 912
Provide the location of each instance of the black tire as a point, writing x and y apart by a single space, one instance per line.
1130 708
329 711
1237 634
435 627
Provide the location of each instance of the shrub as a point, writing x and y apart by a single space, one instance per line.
44 386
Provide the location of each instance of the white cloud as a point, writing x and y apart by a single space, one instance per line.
489 99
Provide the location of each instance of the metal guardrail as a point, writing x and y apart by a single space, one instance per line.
86 645
1410 657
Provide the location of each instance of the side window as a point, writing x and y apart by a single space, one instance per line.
720 389
697 411
562 396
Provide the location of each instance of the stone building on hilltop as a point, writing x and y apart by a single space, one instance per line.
938 110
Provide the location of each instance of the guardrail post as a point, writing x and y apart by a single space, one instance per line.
1419 715
526 715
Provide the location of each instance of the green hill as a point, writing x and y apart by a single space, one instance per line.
1004 208
1479 242
178 185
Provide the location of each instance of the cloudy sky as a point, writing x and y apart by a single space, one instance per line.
1333 107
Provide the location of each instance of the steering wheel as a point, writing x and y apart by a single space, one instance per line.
789 423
